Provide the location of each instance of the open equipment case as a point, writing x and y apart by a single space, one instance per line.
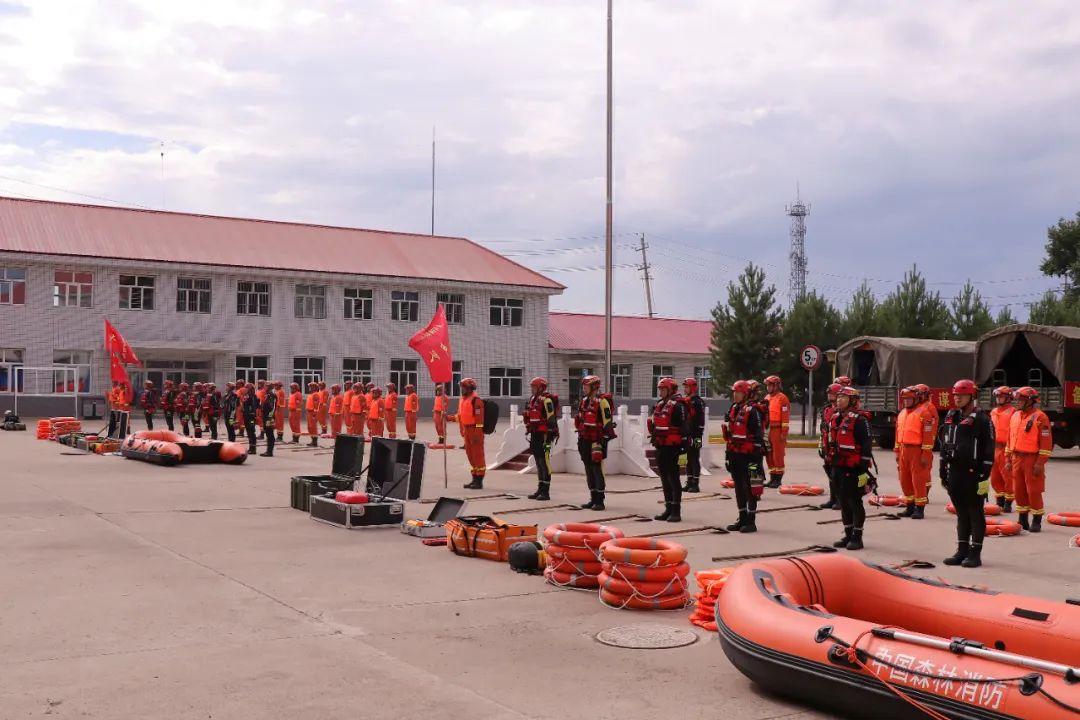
345 470
394 476
446 509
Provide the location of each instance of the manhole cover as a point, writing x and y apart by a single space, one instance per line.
646 637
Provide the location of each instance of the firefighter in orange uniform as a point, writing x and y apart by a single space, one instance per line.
324 407
825 442
914 443
296 411
931 423
376 413
412 408
312 407
390 410
1029 448
346 406
1000 477
260 394
470 419
279 411
438 414
779 408
358 408
336 408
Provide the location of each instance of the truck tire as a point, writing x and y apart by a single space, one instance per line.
886 438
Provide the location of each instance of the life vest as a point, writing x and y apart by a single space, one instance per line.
846 450
412 403
588 421
335 404
536 418
909 426
779 409
296 400
661 424
441 403
390 403
467 415
1001 415
1029 432
359 404
825 429
168 400
737 429
312 401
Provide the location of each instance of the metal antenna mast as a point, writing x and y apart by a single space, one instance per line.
433 180
644 268
797 256
609 212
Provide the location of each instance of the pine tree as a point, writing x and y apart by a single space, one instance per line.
746 330
1004 317
812 321
970 316
1053 310
1063 255
913 311
862 314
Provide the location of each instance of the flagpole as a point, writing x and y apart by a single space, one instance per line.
609 214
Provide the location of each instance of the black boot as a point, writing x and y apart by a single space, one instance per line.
829 504
314 442
268 453
1023 519
592 501
252 450
1000 500
692 485
281 437
664 515
541 492
962 550
919 513
842 542
1036 523
974 557
674 512
476 484
751 523
598 501
738 524
909 510
856 540
1007 507
774 481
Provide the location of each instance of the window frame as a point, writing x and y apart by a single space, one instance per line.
14 278
506 380
85 376
184 295
250 371
83 291
8 366
357 373
367 304
408 301
137 287
660 371
703 375
454 305
627 377
309 301
404 371
507 309
258 294
304 375
457 372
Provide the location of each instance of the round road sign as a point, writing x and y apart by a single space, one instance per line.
810 357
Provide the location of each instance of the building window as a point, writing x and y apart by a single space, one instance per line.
356 370
253 298
405 305
12 286
505 382
73 289
308 369
252 368
357 304
402 373
620 381
136 292
311 301
71 371
704 381
660 371
507 311
455 380
193 295
10 359
454 304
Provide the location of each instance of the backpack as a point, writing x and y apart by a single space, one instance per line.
554 429
491 416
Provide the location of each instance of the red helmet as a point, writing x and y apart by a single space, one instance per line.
391 387
347 383
335 388
539 382
168 383
278 383
590 380
370 386
184 386
834 389
742 386
772 379
667 383
1003 391
844 380
922 390
754 385
261 383
690 383
148 384
376 392
465 383
848 391
313 384
294 386
964 387
410 388
1027 393
908 392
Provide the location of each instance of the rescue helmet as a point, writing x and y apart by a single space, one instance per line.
849 391
1027 393
231 385
834 389
250 386
690 383
667 383
278 383
527 557
184 386
168 383
322 384
922 390
1003 391
907 393
313 385
148 384
844 380
965 387
754 384
212 386
347 383
376 392
335 388
589 381
294 386
370 386
772 379
539 383
261 382
410 388
392 387
468 383
742 386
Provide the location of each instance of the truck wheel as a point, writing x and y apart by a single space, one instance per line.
1064 438
886 438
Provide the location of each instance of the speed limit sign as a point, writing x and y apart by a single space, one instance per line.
810 357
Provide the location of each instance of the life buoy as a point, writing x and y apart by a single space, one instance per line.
580 535
571 567
1074 541
1000 526
439 446
886 500
636 573
559 552
802 490
649 552
636 602
1067 519
710 583
582 582
674 586
729 483
988 509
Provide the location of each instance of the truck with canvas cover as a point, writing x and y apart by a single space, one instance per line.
880 366
1043 356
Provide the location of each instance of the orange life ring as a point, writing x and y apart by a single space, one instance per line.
887 500
1068 519
988 509
1074 542
667 602
649 552
637 573
674 586
707 580
570 567
999 526
582 582
729 483
802 490
580 535
576 554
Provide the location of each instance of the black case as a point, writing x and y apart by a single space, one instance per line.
354 515
345 471
394 476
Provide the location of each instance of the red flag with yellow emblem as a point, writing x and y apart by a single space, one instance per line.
433 345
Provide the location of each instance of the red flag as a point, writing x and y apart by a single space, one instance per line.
117 345
433 345
118 374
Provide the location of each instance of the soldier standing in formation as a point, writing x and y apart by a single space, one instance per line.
268 407
850 460
594 427
230 402
745 438
669 431
541 427
148 401
696 426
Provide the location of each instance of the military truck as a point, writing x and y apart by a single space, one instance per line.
1045 357
880 366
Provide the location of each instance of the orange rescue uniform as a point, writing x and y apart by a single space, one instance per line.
916 429
412 407
358 412
279 418
324 408
470 417
313 414
390 408
1001 475
336 404
296 412
779 425
439 416
1030 446
346 410
375 417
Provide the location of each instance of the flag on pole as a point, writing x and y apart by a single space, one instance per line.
118 346
433 345
118 374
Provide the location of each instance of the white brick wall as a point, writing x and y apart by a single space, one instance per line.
640 372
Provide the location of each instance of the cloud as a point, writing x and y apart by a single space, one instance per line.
942 134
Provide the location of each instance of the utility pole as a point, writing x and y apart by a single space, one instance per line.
797 255
433 180
644 268
609 215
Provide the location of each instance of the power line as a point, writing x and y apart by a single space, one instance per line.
644 268
73 192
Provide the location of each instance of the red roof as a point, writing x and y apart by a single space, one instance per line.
579 331
56 228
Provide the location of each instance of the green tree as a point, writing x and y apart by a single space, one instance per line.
913 311
862 315
1063 255
746 330
1053 310
811 321
969 314
1004 317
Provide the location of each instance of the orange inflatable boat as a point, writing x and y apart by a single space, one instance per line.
165 447
867 641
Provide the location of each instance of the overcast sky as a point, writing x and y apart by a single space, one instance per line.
943 133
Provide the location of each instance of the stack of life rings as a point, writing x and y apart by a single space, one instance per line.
710 583
644 574
573 551
55 427
988 509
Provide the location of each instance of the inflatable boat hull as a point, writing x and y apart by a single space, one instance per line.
165 447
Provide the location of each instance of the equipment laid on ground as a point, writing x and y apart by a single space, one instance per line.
52 428
396 468
12 422
165 447
527 557
485 537
90 442
1066 519
825 630
710 583
445 510
345 469
574 553
644 574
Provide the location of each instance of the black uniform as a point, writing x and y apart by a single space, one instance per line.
967 457
168 405
541 425
825 416
269 409
595 428
213 399
250 404
696 430
669 430
744 432
850 459
149 402
229 402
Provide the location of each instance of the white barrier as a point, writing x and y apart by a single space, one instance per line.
514 441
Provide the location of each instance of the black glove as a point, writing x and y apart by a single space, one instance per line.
696 443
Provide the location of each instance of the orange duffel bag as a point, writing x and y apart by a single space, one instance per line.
485 537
